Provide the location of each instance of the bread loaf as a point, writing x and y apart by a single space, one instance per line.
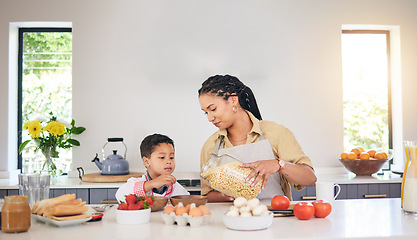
66 218
40 206
64 210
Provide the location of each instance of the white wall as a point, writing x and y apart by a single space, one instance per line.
137 66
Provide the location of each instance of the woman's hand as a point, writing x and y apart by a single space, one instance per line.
215 196
300 174
261 169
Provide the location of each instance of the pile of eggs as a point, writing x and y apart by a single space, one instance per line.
247 208
183 215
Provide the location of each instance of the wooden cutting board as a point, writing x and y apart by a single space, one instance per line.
98 177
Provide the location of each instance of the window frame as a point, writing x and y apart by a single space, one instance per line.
22 31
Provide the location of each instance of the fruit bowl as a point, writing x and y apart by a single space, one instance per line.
188 199
133 216
362 167
158 203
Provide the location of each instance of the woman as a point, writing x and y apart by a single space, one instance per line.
231 106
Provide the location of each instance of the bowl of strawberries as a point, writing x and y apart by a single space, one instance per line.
134 210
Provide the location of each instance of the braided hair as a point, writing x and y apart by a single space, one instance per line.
225 86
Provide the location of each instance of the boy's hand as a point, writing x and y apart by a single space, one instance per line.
160 181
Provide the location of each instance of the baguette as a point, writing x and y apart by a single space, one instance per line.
75 202
64 210
66 218
39 207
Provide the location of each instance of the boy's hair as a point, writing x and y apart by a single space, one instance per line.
150 142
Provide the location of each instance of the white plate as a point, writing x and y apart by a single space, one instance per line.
248 223
60 223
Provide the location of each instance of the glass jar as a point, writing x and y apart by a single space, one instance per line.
15 214
225 174
410 178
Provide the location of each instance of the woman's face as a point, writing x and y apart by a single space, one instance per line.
218 111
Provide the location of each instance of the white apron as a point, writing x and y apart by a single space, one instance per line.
252 152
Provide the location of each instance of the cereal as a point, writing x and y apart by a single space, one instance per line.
230 180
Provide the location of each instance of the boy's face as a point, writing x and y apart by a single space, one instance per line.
162 160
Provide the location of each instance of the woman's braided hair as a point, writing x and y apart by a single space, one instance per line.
225 86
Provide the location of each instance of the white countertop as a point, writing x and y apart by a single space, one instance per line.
350 219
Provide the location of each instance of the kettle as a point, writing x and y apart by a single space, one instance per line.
113 164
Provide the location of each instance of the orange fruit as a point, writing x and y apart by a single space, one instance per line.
385 154
361 149
380 155
357 151
364 156
343 156
371 153
352 156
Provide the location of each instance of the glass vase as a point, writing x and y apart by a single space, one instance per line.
49 167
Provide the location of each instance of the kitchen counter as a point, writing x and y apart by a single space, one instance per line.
350 219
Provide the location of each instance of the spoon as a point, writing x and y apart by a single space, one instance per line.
102 208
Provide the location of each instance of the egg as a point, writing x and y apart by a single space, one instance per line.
204 209
181 210
169 209
196 212
188 207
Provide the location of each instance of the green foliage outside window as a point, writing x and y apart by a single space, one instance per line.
46 85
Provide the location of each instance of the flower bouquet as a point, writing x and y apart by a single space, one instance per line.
50 135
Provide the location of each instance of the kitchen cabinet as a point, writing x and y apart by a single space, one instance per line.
82 193
354 191
8 192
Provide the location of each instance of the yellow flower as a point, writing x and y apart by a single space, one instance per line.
34 127
55 128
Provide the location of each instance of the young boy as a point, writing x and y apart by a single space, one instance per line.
158 156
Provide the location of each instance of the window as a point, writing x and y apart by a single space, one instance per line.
44 84
366 89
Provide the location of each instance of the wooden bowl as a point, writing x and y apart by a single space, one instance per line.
188 199
363 167
159 203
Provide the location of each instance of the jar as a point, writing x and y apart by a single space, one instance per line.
225 174
15 214
409 187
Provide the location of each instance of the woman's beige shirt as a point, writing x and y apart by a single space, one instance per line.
283 142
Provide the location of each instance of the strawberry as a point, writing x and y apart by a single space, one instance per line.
131 199
141 204
122 206
135 206
149 199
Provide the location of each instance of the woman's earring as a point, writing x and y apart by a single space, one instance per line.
234 109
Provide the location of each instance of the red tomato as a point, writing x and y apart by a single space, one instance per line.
304 210
280 202
322 208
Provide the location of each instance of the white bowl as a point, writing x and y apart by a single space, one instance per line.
133 216
248 223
